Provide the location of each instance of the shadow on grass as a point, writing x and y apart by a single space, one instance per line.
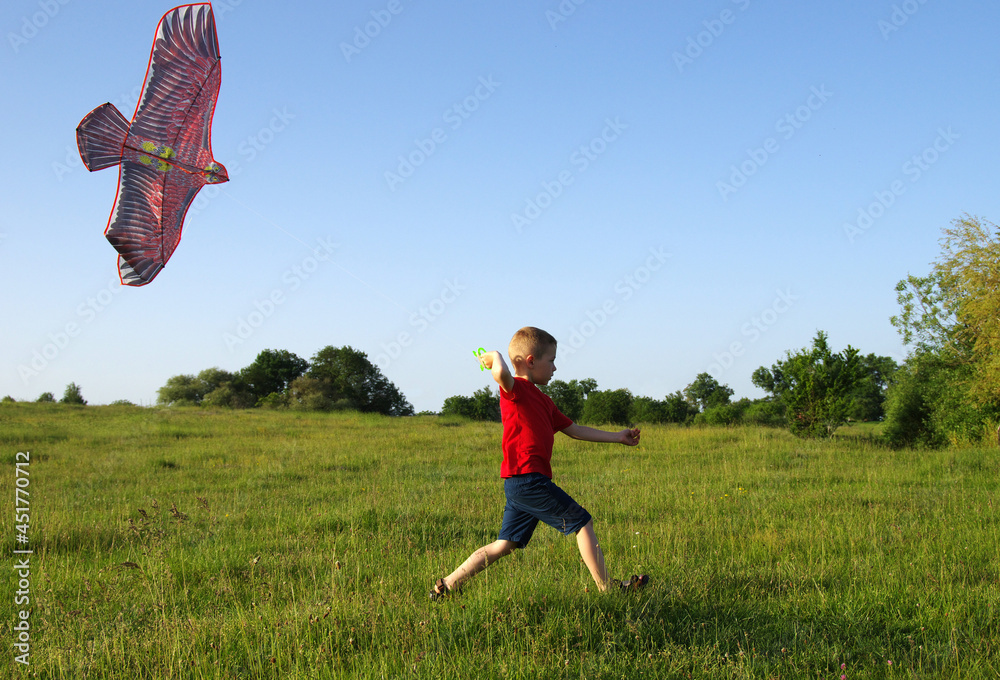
765 628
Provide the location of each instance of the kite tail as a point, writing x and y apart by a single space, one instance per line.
100 136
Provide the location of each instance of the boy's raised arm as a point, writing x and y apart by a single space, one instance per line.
494 361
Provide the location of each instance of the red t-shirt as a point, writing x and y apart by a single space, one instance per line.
530 422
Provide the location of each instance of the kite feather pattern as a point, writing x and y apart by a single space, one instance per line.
165 153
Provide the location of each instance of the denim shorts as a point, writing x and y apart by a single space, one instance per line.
533 497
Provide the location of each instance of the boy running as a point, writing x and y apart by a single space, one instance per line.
530 421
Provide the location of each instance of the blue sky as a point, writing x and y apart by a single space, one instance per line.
668 188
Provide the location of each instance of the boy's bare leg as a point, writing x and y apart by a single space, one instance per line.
478 561
592 555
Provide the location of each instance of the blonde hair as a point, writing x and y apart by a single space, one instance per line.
529 340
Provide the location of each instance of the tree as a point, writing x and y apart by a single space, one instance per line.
926 319
706 392
950 387
46 398
272 372
72 395
569 397
306 393
869 396
968 275
723 414
678 409
190 390
212 379
457 405
346 375
815 386
609 406
232 394
910 403
484 404
765 412
647 410
180 390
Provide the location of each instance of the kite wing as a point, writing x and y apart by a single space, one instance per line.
166 152
182 84
145 224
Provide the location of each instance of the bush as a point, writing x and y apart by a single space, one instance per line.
308 394
815 385
228 395
908 419
346 375
190 390
609 406
724 414
72 395
457 406
271 372
678 409
484 404
647 410
275 400
568 397
766 413
928 405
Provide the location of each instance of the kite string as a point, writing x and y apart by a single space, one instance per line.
336 264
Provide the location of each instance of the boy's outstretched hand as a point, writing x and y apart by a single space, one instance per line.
630 437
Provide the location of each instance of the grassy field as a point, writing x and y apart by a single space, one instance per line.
202 544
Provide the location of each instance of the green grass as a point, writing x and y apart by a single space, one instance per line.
304 546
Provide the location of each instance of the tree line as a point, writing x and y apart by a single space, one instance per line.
946 391
812 391
336 378
72 395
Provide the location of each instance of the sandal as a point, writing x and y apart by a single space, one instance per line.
440 590
634 583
